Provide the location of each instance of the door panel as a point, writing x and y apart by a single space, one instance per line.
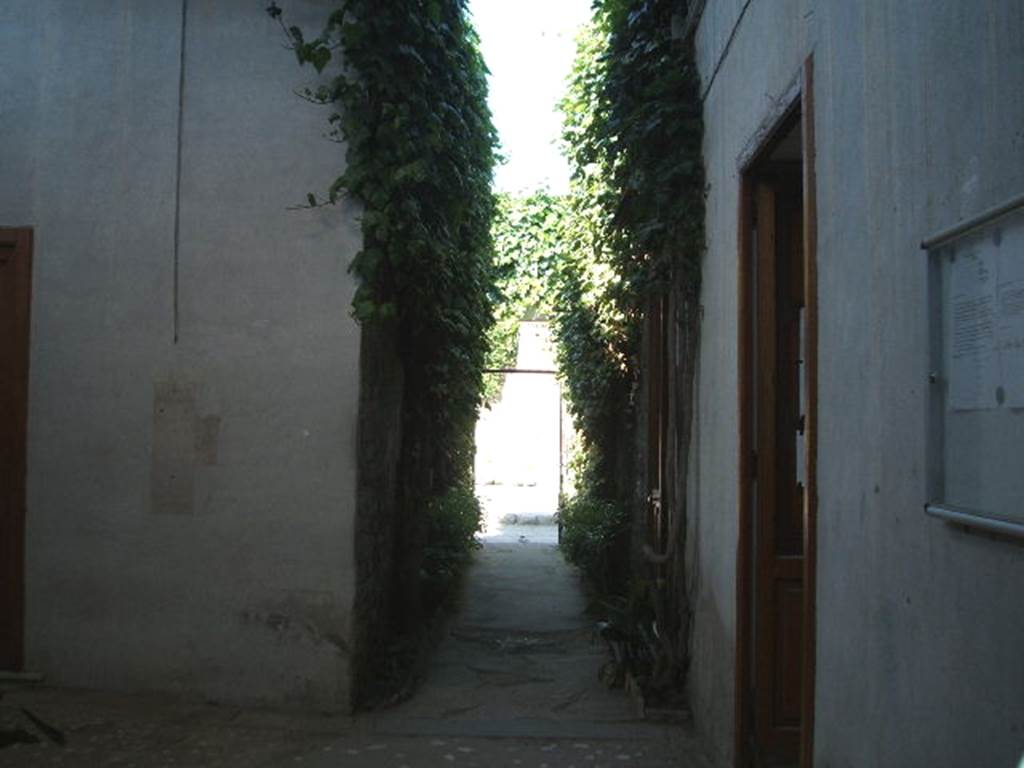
778 425
789 596
15 290
776 549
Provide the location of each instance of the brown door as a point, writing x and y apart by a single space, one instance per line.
15 289
777 545
779 483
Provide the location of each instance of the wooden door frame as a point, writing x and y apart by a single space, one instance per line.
13 603
802 99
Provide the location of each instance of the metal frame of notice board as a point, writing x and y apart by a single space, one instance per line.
985 325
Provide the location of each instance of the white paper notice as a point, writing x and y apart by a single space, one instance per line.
975 361
1010 319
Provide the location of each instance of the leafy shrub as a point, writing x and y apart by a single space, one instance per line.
454 519
595 538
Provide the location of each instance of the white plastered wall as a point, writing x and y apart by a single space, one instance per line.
190 504
919 108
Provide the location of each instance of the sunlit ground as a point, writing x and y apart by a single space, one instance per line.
517 459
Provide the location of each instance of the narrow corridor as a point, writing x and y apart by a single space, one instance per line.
515 681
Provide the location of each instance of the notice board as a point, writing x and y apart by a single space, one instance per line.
976 429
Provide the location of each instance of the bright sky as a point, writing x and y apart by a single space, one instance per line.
529 46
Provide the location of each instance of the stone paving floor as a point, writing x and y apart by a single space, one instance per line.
514 684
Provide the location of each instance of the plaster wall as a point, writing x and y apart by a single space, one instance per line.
753 71
190 501
919 107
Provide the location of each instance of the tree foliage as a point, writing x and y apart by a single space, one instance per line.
529 250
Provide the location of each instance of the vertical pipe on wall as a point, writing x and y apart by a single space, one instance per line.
177 173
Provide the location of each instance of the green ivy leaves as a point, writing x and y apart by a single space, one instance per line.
633 134
409 96
531 248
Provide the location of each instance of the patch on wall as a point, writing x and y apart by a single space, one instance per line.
207 439
181 441
173 477
299 616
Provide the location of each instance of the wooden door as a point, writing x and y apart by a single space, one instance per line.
779 482
15 290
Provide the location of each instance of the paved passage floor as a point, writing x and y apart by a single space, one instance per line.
514 683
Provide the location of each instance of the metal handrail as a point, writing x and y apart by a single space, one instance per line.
973 519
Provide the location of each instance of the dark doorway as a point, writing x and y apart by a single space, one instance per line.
15 292
777 504
777 543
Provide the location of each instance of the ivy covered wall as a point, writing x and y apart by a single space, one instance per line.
408 102
633 134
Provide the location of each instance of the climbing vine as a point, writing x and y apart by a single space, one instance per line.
408 98
633 134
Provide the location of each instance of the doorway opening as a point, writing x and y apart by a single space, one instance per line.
522 440
778 343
